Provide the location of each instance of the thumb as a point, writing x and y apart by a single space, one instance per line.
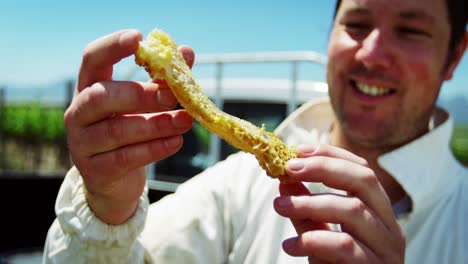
188 54
100 56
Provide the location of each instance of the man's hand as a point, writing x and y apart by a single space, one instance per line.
116 128
370 232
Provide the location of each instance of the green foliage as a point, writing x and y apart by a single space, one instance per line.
36 122
459 143
33 122
202 134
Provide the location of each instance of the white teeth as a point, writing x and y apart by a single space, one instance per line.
372 90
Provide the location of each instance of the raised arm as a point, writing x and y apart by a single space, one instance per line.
114 129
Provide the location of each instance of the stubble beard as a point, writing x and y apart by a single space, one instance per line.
384 136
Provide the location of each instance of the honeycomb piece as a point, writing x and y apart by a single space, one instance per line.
161 58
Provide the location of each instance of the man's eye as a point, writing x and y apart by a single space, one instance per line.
356 25
415 32
357 30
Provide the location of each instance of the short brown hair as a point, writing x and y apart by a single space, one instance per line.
458 18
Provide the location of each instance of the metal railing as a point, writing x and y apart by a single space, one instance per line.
292 57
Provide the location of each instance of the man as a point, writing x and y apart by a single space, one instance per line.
387 62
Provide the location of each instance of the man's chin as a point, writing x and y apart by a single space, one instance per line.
370 140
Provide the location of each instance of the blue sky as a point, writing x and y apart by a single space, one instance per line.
42 41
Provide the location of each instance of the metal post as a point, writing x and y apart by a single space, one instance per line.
69 92
215 140
292 104
2 124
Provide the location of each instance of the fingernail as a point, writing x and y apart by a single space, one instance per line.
128 38
283 201
173 142
188 56
289 244
306 149
295 164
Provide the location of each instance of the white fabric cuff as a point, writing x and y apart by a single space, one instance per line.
76 218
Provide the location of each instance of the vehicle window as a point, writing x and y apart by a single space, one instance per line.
268 114
193 156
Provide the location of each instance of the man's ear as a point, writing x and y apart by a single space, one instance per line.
456 57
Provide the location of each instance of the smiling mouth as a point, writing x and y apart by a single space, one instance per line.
371 90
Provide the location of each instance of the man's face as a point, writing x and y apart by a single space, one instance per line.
386 65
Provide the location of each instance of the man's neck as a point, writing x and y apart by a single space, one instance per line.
391 186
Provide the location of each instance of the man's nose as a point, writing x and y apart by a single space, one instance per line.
375 50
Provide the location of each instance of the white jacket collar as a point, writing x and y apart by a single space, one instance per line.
425 166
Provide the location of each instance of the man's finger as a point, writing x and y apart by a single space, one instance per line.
294 188
342 174
103 99
100 56
354 217
114 164
334 247
120 131
300 224
188 54
306 151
